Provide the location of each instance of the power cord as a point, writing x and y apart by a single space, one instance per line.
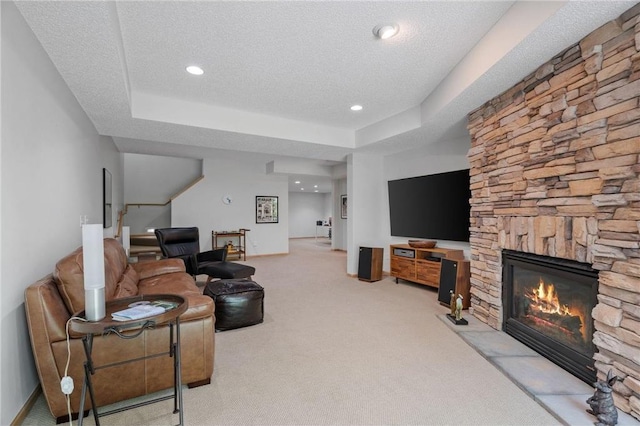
66 384
254 245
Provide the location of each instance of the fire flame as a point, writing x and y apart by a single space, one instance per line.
545 299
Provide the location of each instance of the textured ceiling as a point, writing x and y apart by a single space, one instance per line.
280 76
306 61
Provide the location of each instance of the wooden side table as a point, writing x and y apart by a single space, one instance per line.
239 251
122 329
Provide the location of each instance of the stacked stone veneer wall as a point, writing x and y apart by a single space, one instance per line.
554 171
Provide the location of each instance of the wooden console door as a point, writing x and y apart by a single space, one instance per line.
403 268
419 265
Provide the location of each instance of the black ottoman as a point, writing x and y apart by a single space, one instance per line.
239 303
228 270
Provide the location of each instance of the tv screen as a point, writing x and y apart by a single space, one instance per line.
434 206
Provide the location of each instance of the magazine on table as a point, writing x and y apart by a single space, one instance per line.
143 309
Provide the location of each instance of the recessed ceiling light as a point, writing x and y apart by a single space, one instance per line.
315 186
356 108
192 69
297 182
301 189
385 31
315 190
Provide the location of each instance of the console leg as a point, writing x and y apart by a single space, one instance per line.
178 364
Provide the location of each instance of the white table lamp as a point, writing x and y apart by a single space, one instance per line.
93 266
126 239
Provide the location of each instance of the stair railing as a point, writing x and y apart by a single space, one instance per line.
125 209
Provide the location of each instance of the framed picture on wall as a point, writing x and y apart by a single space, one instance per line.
343 206
266 209
106 199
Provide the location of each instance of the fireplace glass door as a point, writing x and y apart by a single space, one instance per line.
548 303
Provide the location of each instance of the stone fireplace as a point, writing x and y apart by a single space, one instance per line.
555 173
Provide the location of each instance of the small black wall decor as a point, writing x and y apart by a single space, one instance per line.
106 199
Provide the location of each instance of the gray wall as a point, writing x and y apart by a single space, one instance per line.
155 179
367 222
51 174
242 179
304 210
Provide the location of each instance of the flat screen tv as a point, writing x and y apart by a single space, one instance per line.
434 206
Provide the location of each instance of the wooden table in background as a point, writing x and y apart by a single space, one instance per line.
239 251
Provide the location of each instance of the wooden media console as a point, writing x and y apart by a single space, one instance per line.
424 266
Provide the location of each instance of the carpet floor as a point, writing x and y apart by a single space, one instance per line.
334 350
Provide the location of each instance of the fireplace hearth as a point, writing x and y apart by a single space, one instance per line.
547 306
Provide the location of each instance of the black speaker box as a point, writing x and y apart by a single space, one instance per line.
370 264
454 276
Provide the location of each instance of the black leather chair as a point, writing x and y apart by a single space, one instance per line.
185 244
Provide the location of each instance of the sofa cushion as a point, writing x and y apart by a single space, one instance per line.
69 278
115 263
128 284
183 285
157 267
69 274
199 306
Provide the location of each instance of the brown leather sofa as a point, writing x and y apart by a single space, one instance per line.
51 301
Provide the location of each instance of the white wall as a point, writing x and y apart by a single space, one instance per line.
328 207
1 204
436 158
155 179
51 173
304 210
242 180
367 218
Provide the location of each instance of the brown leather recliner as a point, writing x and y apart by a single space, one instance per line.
51 301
